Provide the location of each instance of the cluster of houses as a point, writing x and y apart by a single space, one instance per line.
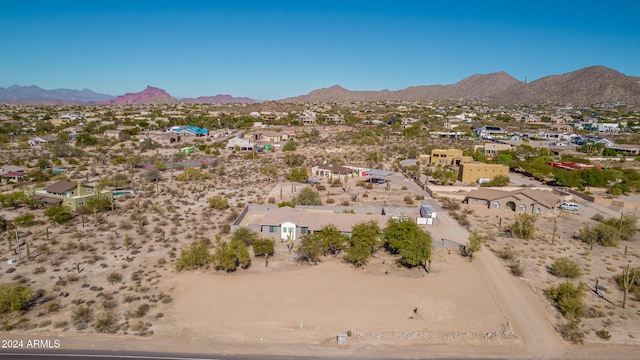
469 171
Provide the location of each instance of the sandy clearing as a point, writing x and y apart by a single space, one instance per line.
332 298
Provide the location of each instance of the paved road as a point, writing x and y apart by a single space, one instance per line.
93 355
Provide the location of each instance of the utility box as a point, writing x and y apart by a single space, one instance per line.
341 339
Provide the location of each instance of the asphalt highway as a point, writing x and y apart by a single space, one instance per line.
101 355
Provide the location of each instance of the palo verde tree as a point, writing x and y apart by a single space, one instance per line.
475 244
228 256
195 256
366 239
264 248
308 196
523 226
405 238
310 248
58 214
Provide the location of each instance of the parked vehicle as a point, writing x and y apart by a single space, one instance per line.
571 206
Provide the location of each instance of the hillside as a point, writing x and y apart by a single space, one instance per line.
596 84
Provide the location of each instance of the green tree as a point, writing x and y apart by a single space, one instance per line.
373 158
14 296
310 248
365 240
333 240
626 225
602 234
38 175
98 203
265 248
308 196
498 180
523 226
228 256
85 139
406 239
444 175
196 256
245 235
58 214
290 146
298 175
43 164
475 244
293 160
566 268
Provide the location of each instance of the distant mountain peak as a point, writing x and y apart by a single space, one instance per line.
150 95
594 84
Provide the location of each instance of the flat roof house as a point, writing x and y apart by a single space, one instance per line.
69 194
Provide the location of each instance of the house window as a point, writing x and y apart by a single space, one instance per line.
496 204
538 210
273 229
304 230
523 207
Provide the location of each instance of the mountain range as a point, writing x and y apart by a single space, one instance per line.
596 84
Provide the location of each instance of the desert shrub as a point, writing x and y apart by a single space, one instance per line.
81 315
141 311
25 219
114 277
570 331
602 234
14 296
109 303
568 298
523 226
515 268
53 307
107 322
506 253
290 146
566 268
603 334
197 255
58 214
39 270
408 200
450 203
626 226
218 202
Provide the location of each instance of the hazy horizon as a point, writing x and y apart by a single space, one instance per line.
280 49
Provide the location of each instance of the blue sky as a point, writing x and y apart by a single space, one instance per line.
276 49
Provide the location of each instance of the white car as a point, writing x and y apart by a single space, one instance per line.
571 206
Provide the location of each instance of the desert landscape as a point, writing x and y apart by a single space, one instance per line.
114 273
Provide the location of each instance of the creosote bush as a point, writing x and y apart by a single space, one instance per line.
568 298
566 268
